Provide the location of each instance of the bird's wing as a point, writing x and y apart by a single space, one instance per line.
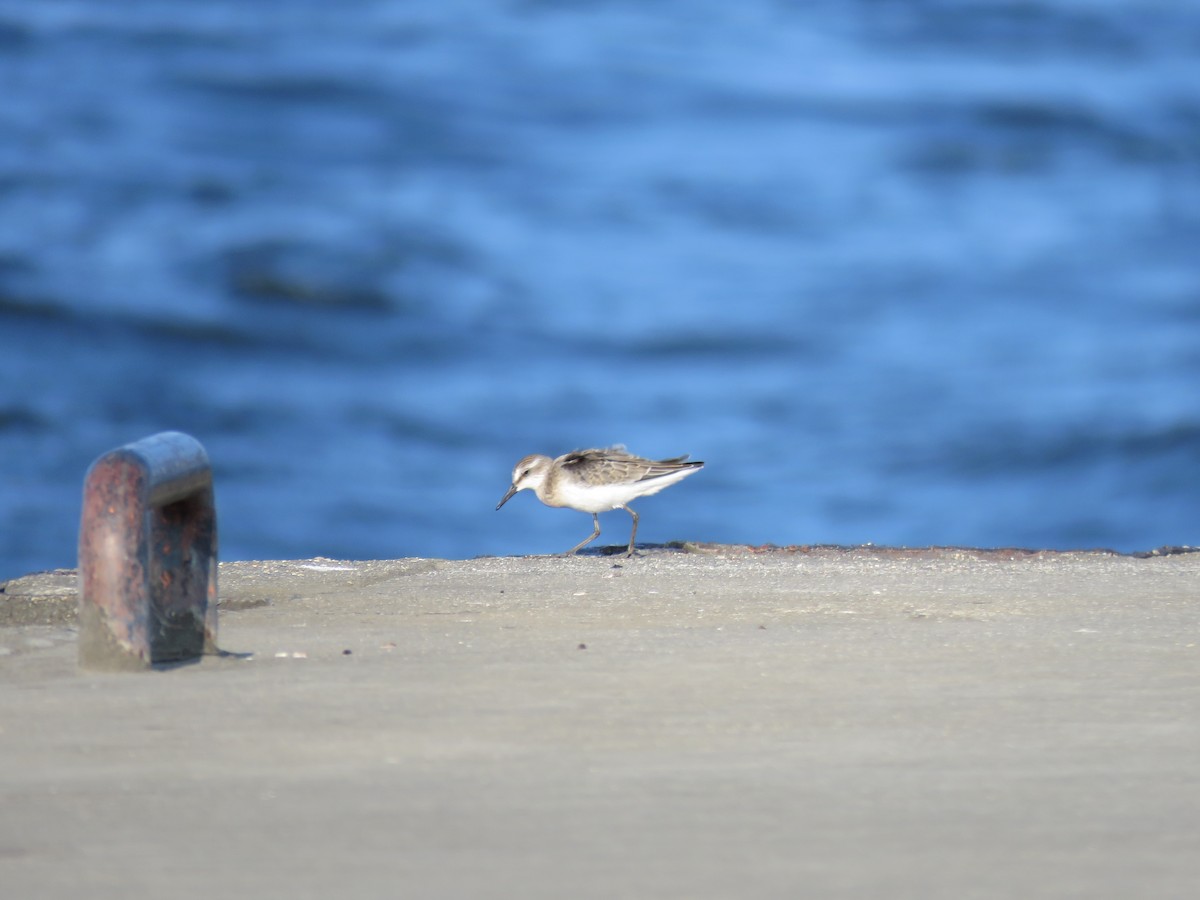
616 466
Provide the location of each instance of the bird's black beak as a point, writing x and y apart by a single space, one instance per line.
512 490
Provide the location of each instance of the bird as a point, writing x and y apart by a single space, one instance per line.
595 481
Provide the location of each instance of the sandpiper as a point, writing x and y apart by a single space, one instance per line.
596 481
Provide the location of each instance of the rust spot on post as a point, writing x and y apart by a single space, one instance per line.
148 556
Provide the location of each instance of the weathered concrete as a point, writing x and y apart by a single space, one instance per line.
723 723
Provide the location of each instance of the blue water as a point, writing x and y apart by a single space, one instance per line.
904 273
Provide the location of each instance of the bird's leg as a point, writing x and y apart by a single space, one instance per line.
632 534
586 541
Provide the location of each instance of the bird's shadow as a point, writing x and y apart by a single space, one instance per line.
619 549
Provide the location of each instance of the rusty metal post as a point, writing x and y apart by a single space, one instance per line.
148 555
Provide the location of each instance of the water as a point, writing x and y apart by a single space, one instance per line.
906 273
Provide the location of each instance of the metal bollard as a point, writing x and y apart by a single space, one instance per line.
148 556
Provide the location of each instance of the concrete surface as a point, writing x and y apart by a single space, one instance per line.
706 724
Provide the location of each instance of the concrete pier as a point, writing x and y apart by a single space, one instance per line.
696 722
